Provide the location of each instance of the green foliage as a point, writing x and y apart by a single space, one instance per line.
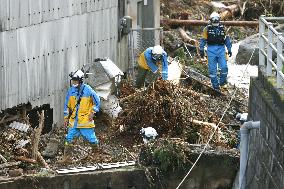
180 54
192 135
202 68
170 156
231 138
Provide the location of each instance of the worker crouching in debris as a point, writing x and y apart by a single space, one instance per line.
148 134
215 37
153 64
80 106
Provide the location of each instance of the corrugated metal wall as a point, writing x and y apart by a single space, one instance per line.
42 41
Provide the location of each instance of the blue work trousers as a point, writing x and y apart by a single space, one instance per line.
87 133
217 59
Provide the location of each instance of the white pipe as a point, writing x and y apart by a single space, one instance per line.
245 129
145 2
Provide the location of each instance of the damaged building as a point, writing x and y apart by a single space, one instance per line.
41 42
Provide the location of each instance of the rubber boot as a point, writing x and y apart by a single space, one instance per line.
67 154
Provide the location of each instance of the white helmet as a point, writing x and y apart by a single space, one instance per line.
157 49
148 133
214 18
157 52
77 75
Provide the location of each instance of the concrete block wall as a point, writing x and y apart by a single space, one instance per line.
266 146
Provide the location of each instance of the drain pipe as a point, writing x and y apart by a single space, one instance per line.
244 130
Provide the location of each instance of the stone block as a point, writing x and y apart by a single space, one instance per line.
272 140
266 155
280 131
277 173
263 129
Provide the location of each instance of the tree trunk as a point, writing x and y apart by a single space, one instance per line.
178 23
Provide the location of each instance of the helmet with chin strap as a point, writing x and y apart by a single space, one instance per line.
77 76
157 52
215 18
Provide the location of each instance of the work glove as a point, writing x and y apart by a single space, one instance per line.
230 53
91 117
201 53
65 123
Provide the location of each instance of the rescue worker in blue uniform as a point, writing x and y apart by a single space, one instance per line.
154 63
215 37
81 104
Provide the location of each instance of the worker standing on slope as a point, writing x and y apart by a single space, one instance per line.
80 106
215 37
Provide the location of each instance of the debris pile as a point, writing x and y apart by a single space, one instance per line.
175 111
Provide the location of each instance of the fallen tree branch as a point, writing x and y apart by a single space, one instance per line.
188 39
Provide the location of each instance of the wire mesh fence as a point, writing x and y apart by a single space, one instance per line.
139 40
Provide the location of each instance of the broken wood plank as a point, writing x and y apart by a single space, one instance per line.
179 23
36 136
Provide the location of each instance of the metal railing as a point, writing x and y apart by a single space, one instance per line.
271 43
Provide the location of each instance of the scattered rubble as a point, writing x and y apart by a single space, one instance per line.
185 115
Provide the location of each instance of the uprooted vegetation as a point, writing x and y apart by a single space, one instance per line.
176 111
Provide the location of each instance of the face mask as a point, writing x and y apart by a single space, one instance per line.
75 85
157 56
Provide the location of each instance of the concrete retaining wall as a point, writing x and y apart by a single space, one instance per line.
266 150
111 179
215 170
